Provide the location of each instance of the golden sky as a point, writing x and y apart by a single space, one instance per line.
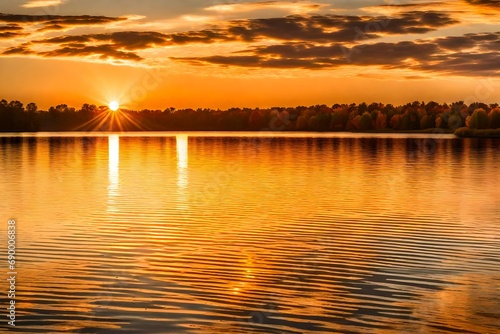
219 54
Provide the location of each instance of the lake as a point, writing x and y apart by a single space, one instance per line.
252 232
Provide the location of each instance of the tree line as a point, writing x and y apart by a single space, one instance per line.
416 116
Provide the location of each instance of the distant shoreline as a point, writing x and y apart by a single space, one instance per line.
459 133
436 131
475 133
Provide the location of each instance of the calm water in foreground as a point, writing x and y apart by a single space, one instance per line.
252 233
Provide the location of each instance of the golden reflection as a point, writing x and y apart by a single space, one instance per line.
182 172
296 237
113 170
458 305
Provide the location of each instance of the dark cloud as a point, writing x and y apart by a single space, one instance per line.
11 27
11 31
417 5
317 28
71 48
115 45
494 46
337 28
370 54
103 51
462 63
259 62
20 50
52 27
301 50
456 43
311 42
311 56
56 22
10 34
391 53
14 29
247 61
484 37
135 40
483 42
130 40
326 29
493 4
436 55
66 39
72 20
202 36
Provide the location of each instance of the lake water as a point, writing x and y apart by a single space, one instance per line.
252 233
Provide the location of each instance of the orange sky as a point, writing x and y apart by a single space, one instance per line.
248 53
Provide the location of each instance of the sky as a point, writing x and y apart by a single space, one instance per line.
227 53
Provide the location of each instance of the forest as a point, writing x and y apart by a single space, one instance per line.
374 117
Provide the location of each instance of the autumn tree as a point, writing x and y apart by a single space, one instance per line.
257 120
396 122
494 118
478 119
31 108
427 122
380 121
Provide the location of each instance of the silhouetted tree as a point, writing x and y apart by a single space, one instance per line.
478 119
365 121
339 117
494 118
31 107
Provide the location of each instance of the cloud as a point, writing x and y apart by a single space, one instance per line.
493 4
48 23
103 52
293 7
73 20
318 28
20 50
107 46
489 8
329 28
456 43
117 45
52 27
130 40
11 27
42 3
296 41
407 5
370 54
322 29
439 55
122 42
393 8
302 55
11 31
10 34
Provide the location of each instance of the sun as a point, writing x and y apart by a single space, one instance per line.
114 105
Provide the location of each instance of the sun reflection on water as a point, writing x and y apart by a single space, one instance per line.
113 170
182 169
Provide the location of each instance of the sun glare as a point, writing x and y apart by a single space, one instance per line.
114 105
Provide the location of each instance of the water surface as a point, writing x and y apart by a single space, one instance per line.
253 233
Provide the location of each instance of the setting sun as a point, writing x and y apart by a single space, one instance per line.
114 105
